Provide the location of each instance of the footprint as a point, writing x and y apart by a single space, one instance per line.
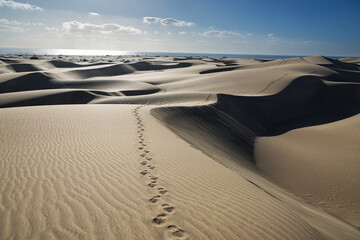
141 147
144 172
148 158
176 231
159 219
154 178
168 208
151 167
155 199
162 190
143 162
152 184
143 155
146 151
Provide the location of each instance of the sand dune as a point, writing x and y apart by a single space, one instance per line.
179 148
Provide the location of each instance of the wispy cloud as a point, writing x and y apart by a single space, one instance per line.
16 26
151 19
168 21
156 39
17 5
52 29
182 33
17 23
107 28
216 33
94 14
172 21
272 38
8 28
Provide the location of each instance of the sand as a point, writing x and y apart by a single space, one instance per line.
179 148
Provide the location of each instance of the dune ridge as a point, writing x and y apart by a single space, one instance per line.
179 148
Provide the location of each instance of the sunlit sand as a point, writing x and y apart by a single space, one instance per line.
179 148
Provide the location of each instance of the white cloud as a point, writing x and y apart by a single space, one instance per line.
156 39
182 33
38 24
178 23
249 34
168 21
14 26
216 33
94 14
52 29
273 38
151 19
8 28
108 28
12 22
17 5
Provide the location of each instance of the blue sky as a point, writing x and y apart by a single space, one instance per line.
289 27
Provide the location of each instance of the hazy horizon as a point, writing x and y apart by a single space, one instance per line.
231 27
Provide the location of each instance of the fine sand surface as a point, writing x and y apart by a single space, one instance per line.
179 148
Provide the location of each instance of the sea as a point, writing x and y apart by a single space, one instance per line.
85 52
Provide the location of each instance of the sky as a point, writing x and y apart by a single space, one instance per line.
279 27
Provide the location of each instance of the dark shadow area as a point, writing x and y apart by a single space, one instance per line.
65 64
22 67
139 92
215 70
146 66
69 97
233 122
31 81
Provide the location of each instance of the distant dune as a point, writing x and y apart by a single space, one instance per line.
179 148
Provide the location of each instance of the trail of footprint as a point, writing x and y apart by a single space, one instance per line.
160 219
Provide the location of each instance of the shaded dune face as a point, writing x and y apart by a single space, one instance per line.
103 165
235 121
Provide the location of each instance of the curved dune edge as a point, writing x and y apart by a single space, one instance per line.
92 161
228 129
